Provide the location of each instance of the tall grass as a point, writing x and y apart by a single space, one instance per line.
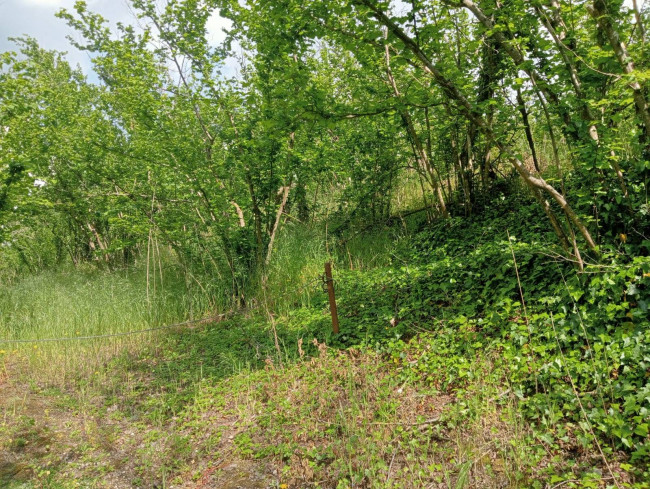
84 302
297 261
71 303
295 266
407 195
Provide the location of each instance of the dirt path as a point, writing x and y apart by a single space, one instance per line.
47 435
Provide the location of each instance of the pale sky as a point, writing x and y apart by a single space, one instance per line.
36 19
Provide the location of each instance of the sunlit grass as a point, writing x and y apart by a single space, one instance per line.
76 303
296 267
408 196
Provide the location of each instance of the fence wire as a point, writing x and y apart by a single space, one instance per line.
341 282
159 328
123 333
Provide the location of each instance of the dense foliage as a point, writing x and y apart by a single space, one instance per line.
517 130
341 99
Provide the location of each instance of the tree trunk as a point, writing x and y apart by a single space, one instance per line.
599 12
285 195
421 154
472 113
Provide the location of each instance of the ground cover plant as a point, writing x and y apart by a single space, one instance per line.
444 378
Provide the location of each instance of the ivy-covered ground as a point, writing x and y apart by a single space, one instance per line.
472 355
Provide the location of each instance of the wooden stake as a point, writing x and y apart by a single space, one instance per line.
330 291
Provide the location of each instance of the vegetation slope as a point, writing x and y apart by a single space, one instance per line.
470 355
476 171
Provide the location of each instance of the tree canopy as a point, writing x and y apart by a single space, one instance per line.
467 97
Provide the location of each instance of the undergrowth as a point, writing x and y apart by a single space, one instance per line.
83 302
471 354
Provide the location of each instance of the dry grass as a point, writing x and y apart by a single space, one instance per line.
342 419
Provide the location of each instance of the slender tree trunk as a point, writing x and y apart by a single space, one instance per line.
474 115
599 11
467 169
639 21
240 214
585 112
285 195
540 183
421 154
529 134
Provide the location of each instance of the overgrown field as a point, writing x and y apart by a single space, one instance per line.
470 355
76 305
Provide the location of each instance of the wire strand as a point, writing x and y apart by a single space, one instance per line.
157 328
124 333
